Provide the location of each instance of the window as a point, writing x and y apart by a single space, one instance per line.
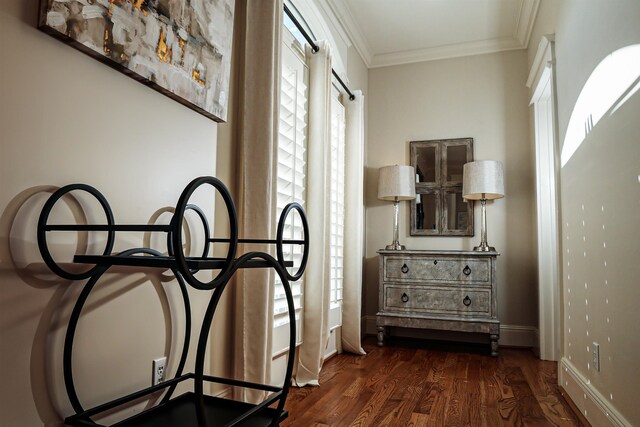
289 25
337 208
291 175
291 171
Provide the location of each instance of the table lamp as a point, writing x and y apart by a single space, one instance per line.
396 183
483 180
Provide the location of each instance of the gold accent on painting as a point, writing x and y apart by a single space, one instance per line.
112 4
105 45
164 53
196 77
137 4
183 46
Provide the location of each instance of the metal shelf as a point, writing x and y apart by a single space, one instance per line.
193 408
182 411
167 262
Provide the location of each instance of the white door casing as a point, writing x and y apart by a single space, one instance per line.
547 154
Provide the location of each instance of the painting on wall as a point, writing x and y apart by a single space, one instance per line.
181 48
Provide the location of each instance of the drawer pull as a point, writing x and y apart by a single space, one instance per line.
404 297
435 262
404 268
466 301
467 270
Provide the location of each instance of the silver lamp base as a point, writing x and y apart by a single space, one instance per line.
395 246
484 248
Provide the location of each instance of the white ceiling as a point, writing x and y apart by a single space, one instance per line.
392 32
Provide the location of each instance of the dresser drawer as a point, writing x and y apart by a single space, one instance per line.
437 300
434 269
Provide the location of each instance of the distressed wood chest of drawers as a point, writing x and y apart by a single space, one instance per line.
447 290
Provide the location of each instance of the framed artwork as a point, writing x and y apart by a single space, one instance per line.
181 48
439 208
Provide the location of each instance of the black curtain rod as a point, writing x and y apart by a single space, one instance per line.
315 48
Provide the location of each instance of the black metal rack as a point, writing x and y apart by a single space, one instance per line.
193 408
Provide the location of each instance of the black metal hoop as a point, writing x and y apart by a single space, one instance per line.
176 232
205 332
42 230
280 240
184 267
205 225
75 317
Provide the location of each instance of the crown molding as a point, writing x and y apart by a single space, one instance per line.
519 40
335 22
526 20
445 52
346 22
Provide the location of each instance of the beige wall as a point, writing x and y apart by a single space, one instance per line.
599 187
483 97
357 75
67 118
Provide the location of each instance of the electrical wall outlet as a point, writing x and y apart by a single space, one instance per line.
159 366
596 356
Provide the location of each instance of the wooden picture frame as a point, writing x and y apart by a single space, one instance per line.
180 48
439 209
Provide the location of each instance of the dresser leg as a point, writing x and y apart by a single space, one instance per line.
494 344
380 336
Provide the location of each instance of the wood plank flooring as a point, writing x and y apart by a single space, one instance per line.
409 383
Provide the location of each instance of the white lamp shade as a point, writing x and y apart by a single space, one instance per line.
483 179
397 181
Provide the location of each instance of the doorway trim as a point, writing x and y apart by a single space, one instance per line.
547 155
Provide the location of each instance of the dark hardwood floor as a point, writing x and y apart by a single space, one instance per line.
422 383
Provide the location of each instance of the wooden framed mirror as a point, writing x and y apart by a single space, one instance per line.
439 209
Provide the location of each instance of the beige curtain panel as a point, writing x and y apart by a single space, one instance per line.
258 44
258 28
353 226
316 293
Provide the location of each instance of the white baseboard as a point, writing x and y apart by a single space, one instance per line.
510 335
518 336
593 405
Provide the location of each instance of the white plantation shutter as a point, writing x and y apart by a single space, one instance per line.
337 208
291 176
